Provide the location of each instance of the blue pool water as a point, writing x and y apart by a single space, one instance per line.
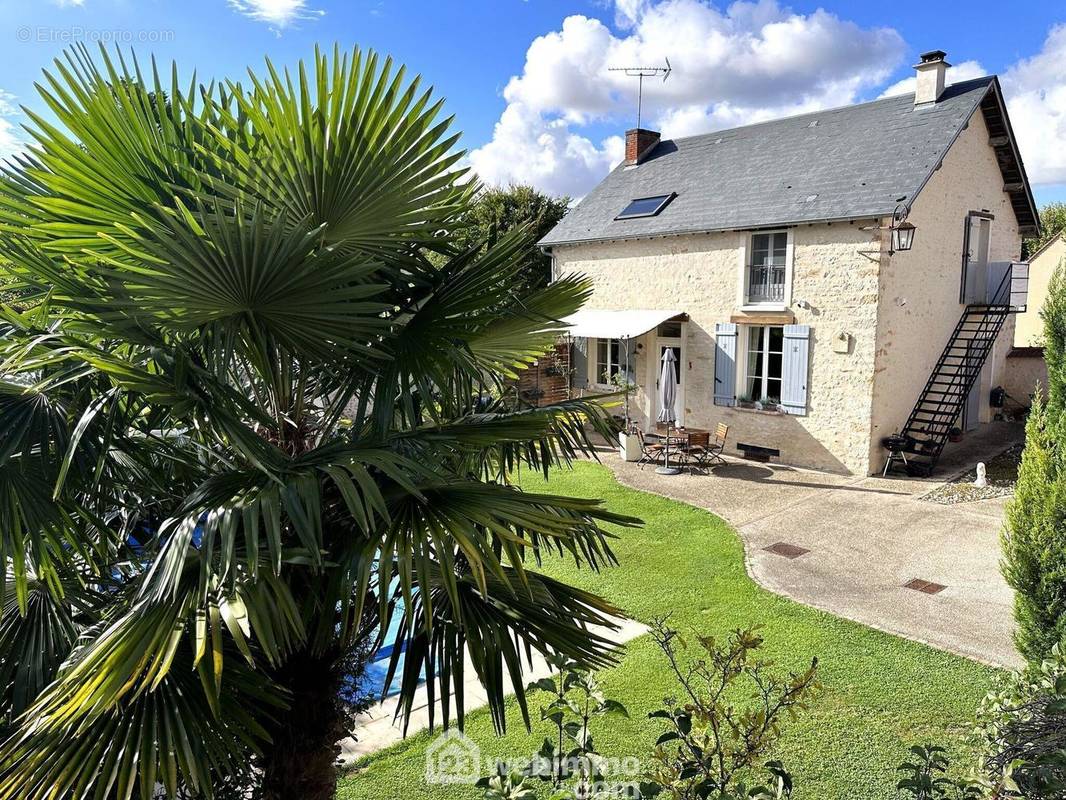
373 680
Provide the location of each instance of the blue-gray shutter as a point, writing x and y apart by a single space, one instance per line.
794 368
628 350
725 364
579 361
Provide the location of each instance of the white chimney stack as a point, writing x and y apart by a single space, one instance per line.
932 70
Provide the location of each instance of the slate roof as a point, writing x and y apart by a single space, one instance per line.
847 163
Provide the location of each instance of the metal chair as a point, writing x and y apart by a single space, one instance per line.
650 452
703 452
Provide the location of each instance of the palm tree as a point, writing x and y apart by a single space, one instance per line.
246 424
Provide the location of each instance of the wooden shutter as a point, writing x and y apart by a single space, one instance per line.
725 364
579 362
795 365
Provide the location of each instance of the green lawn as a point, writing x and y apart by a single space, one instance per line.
882 693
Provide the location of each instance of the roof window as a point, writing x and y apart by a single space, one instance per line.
646 206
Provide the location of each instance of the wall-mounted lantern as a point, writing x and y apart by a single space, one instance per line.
902 231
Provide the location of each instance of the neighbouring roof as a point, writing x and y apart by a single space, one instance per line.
847 163
1040 250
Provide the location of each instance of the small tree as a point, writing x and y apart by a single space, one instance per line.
1034 541
499 210
1052 223
714 746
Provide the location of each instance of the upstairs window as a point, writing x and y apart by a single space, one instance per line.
646 206
766 271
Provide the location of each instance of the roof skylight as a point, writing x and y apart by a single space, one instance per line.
646 206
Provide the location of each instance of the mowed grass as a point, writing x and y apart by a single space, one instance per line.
882 693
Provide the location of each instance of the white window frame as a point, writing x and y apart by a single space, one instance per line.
744 357
595 371
746 251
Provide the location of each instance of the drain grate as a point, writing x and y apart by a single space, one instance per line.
926 587
787 550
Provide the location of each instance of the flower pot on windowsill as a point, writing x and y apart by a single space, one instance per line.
628 446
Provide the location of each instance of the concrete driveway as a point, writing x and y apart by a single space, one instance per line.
865 540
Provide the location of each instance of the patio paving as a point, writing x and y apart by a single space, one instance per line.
866 538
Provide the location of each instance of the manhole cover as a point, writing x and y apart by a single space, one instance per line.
926 587
787 550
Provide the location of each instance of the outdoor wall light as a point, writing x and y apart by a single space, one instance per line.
902 236
902 231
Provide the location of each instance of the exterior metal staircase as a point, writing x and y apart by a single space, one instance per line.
957 370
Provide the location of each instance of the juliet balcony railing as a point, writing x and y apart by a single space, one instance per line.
766 284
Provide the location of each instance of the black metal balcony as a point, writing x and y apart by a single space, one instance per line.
766 284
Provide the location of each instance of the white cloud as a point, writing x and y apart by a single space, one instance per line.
527 148
753 61
277 13
11 141
963 71
1035 90
66 3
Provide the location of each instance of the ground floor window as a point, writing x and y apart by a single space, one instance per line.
609 355
762 380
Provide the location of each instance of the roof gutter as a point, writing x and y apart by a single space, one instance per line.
547 246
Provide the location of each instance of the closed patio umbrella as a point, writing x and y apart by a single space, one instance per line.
667 399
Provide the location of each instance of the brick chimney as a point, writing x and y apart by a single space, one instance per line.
931 71
639 143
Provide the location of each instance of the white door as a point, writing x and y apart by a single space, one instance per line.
655 367
976 280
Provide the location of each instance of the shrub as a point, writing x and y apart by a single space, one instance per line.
568 760
1022 730
926 777
713 746
1034 541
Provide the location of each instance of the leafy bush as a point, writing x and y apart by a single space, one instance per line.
1022 729
712 746
567 759
926 777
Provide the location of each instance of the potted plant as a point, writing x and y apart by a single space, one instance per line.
628 443
745 401
955 434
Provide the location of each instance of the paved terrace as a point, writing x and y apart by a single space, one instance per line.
864 539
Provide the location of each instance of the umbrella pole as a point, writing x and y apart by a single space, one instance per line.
666 469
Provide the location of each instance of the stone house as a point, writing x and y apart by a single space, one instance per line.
1026 368
1029 330
827 267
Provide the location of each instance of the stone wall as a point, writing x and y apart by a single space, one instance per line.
919 303
1023 372
699 275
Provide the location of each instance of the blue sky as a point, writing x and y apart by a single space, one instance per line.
528 81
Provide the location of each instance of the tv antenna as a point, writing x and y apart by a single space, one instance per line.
640 73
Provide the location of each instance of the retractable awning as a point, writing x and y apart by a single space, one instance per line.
592 324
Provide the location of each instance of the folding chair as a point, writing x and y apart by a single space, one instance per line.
650 452
706 452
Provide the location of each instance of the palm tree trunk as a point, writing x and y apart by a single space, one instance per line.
300 761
